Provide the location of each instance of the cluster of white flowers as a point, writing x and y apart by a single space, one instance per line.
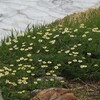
96 29
45 41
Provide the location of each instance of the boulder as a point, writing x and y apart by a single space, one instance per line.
55 94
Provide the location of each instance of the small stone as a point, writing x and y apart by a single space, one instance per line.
34 92
59 78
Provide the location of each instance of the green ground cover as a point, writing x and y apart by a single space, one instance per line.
69 48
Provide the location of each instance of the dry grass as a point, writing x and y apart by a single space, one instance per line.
78 18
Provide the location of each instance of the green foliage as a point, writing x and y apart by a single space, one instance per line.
67 50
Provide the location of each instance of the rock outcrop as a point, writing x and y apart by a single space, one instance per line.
55 94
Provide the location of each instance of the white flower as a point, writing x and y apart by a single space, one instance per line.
60 25
10 49
63 32
25 59
80 61
44 36
58 64
14 40
38 79
86 32
49 62
52 42
18 60
82 26
30 59
72 48
70 54
75 60
31 44
76 53
20 35
38 51
50 34
44 62
48 30
22 58
7 81
54 75
40 40
56 36
51 79
46 50
19 65
79 44
89 39
62 81
33 74
95 29
29 71
83 58
75 46
16 48
8 43
1 70
52 71
59 51
60 29
47 38
14 71
30 48
29 55
22 49
11 65
72 35
32 68
84 35
54 30
96 65
76 30
40 33
26 49
83 66
69 62
23 43
1 74
67 51
44 66
35 82
28 36
89 54
45 47
48 73
34 37
40 60
25 78
56 67
6 72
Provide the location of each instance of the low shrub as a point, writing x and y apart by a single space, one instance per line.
51 50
